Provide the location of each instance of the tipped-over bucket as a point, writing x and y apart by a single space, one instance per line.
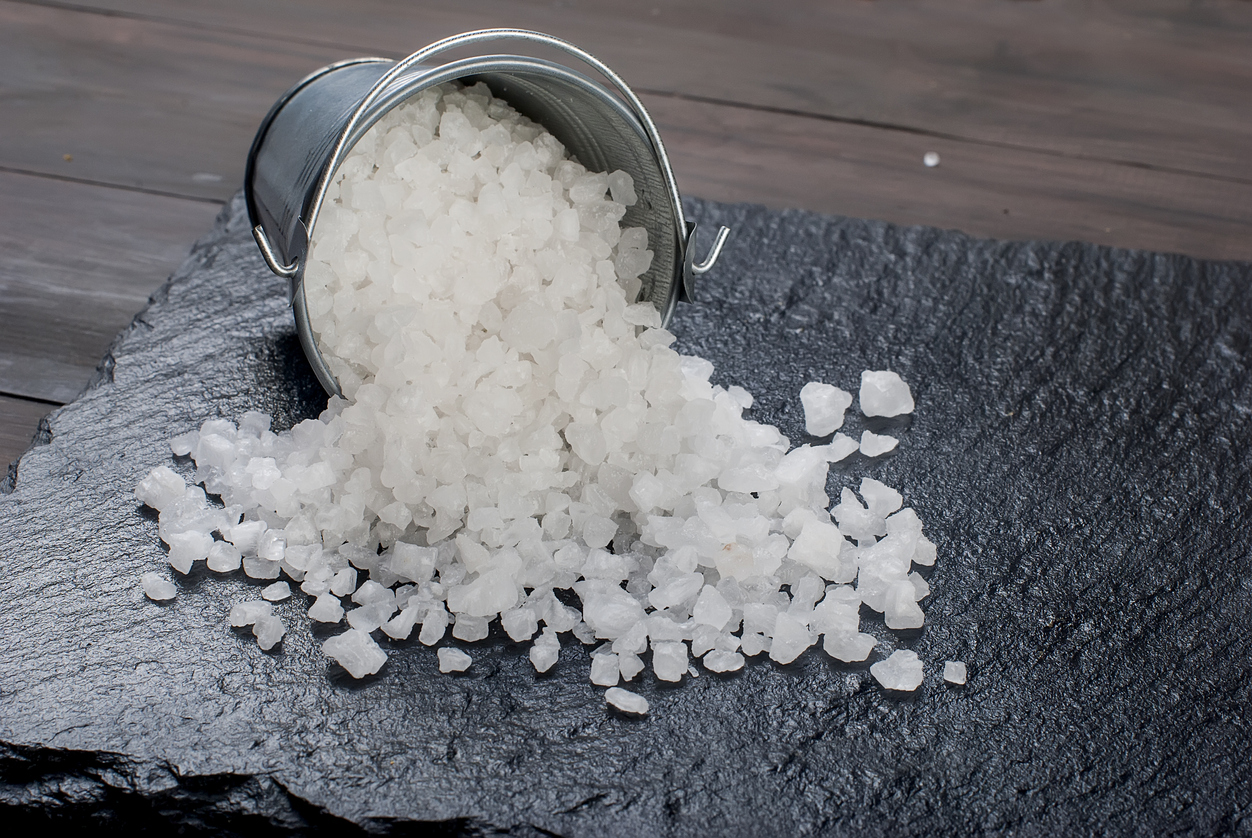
312 128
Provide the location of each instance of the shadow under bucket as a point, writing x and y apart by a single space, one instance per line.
312 128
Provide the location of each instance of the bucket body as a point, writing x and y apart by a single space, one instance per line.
311 129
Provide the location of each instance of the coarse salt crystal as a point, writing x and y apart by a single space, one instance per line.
626 701
156 587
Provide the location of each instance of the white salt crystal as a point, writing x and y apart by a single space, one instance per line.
224 557
326 609
791 637
434 625
839 448
884 393
604 669
469 628
356 652
161 488
824 407
626 701
849 647
344 582
722 661
276 592
669 660
545 651
248 612
902 671
157 587
875 445
453 660
520 623
881 499
711 608
187 548
183 444
930 159
400 626
622 187
268 630
630 666
954 672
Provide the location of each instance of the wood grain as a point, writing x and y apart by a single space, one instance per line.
735 154
19 419
1165 83
76 262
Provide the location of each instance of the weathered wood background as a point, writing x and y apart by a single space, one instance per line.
124 125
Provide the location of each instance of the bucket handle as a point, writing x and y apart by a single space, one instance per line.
685 234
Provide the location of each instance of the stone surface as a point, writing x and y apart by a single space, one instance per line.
1079 455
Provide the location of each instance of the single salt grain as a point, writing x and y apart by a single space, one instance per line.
545 651
224 557
605 669
669 660
453 660
276 592
156 587
721 661
246 613
626 701
356 652
902 671
839 448
269 630
875 445
954 672
326 609
881 499
884 393
824 407
344 582
930 159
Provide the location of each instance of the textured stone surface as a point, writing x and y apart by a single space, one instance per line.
1079 454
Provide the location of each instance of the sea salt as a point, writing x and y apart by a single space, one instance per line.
157 587
902 671
453 660
518 440
626 701
875 445
954 672
824 407
884 393
356 652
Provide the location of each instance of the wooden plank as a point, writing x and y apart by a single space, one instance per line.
737 154
145 105
19 419
76 262
1164 83
160 101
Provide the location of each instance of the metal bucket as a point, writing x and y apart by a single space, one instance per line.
312 128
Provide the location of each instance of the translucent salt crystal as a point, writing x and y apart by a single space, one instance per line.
356 652
881 499
157 587
954 672
604 669
257 568
930 159
276 592
161 489
224 557
469 628
268 630
875 445
902 671
630 666
344 582
669 660
367 618
791 638
520 623
839 448
453 660
849 647
326 609
884 393
186 548
753 643
246 613
622 188
400 626
711 608
626 701
824 407
721 661
545 651
434 625
183 444
901 610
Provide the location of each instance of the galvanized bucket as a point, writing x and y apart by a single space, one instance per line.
312 128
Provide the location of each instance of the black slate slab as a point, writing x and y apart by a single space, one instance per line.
1080 455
